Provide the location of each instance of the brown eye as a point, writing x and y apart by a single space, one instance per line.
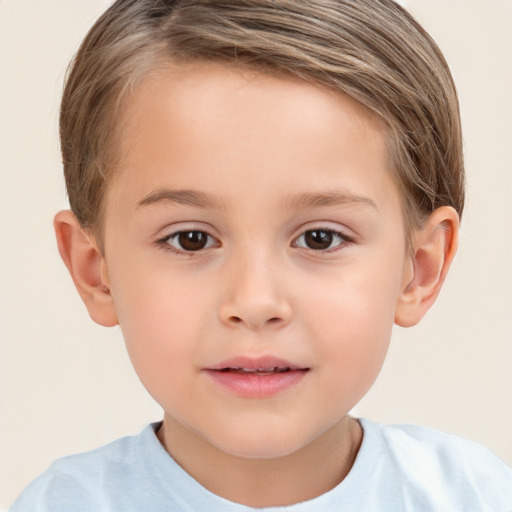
192 240
189 241
320 239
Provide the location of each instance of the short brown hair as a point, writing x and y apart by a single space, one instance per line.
372 50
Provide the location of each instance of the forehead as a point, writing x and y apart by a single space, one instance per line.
232 129
216 92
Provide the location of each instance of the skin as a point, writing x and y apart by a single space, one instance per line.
269 161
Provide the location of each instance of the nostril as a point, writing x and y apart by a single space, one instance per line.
237 320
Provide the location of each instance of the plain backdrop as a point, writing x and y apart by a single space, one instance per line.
66 385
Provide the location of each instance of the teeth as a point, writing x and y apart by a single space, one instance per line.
260 371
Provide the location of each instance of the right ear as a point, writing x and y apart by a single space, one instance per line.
87 267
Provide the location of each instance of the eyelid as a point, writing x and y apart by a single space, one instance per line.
178 233
346 239
174 228
163 241
168 234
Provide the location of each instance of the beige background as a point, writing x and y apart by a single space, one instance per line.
66 385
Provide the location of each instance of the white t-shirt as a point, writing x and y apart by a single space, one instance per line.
398 468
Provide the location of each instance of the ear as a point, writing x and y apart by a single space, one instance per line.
87 267
434 247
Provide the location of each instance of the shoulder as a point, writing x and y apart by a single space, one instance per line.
439 449
449 464
79 482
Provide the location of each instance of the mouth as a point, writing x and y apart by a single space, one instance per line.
257 377
268 365
259 371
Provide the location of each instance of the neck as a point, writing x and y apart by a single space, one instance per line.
263 482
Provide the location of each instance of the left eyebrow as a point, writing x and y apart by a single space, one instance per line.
183 197
311 200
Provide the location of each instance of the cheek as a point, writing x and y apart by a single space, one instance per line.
356 302
163 321
151 298
352 325
356 330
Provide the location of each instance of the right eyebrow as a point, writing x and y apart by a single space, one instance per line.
183 197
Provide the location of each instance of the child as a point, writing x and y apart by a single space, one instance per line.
259 190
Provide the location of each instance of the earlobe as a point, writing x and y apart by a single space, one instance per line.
434 247
87 267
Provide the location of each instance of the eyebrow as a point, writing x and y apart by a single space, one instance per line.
184 197
312 199
301 201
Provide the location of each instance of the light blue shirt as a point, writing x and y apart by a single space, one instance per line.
398 468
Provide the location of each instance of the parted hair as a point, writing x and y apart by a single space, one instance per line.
372 50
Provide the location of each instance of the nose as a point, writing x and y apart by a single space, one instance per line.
254 296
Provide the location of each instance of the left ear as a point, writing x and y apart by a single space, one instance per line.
434 246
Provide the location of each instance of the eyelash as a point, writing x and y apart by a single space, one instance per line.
343 239
165 244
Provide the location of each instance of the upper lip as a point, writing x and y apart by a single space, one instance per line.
266 363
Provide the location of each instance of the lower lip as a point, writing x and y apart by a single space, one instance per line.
256 386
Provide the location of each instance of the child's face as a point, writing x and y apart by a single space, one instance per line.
254 224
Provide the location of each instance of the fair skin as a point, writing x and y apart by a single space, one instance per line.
255 220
